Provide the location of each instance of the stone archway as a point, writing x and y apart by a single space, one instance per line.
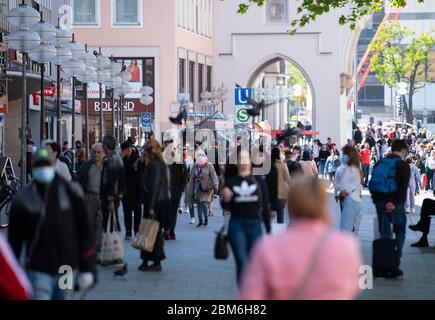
256 71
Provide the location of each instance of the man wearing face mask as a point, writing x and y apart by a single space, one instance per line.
49 217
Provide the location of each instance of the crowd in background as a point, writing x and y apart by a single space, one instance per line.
161 182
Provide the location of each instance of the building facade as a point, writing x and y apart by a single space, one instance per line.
245 45
164 44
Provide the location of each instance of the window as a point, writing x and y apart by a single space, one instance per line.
195 16
85 12
127 12
200 80
209 69
182 76
192 80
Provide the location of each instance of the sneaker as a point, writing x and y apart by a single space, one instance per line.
152 268
206 224
415 227
413 210
422 243
407 210
397 273
200 225
180 211
112 263
192 221
143 266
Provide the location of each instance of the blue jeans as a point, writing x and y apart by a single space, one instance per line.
202 208
280 210
397 218
322 167
366 169
350 210
242 235
47 287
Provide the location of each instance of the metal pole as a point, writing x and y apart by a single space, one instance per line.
121 137
85 87
113 112
23 124
59 108
73 130
118 110
42 135
101 112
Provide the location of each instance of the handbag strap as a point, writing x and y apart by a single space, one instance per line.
296 294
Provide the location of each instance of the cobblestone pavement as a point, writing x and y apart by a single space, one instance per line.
191 272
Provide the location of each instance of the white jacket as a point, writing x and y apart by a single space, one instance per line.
348 179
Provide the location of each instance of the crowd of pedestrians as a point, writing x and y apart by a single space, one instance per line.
71 205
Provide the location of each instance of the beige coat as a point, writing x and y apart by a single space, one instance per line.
309 168
283 179
209 176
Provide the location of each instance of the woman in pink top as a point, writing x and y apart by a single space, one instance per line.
309 261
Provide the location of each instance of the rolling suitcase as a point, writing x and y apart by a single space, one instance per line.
386 258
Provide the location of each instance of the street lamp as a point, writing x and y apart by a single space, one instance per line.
89 76
115 82
44 53
75 68
23 40
103 76
223 95
61 40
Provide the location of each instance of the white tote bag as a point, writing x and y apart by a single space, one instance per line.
112 246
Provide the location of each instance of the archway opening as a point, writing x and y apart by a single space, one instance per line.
287 92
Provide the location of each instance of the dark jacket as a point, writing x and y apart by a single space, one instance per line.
178 178
358 136
66 236
83 173
131 176
112 179
156 183
272 188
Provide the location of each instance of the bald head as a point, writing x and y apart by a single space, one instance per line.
98 152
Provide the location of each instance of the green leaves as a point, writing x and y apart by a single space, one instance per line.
309 10
400 55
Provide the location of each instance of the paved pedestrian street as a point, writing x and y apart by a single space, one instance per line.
190 272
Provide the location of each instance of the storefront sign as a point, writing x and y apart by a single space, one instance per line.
130 106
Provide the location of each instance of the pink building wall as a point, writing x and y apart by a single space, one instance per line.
159 30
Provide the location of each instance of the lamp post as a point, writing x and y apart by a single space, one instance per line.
90 60
115 81
74 69
103 76
223 95
43 54
23 40
62 38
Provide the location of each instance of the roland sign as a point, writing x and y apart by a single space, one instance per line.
129 106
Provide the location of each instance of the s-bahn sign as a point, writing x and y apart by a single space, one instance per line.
132 106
